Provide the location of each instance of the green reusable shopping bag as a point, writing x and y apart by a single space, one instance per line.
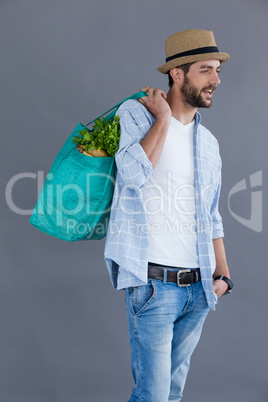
75 201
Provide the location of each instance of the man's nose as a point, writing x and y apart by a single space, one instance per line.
215 80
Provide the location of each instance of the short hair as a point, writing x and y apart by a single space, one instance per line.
184 67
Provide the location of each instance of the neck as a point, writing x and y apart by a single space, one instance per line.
180 110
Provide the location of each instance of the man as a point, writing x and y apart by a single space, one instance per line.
164 244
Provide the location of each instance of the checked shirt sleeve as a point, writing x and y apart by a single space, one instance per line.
131 160
216 217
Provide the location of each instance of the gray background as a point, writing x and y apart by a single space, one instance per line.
63 329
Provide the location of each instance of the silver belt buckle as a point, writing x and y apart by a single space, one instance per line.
182 271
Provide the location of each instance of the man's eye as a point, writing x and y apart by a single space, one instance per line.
207 71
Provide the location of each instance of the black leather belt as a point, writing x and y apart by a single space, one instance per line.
183 277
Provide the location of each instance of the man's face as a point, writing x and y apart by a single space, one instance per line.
200 83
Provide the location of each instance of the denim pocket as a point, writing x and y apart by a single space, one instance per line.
141 297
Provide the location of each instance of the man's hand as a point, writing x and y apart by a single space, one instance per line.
156 103
219 287
154 140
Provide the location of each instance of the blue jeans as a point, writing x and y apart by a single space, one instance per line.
165 324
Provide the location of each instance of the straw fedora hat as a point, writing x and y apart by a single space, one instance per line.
190 46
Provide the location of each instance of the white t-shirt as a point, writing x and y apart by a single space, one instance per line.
169 200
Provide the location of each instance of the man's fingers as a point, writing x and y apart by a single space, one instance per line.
153 91
141 101
159 91
151 101
145 89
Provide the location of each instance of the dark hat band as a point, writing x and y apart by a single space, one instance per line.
200 50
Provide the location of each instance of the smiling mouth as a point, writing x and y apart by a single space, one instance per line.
209 92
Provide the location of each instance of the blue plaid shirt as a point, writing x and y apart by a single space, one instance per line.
127 243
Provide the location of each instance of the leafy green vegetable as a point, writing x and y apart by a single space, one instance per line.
104 135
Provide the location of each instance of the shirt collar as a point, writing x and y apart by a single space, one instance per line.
198 118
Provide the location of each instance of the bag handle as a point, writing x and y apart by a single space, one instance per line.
137 95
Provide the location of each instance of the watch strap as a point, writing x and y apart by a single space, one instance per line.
226 280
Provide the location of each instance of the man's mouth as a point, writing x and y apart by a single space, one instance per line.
209 92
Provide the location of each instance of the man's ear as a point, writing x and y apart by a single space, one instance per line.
177 74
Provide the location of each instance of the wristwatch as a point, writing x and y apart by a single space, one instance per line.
228 281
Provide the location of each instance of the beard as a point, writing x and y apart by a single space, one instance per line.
192 96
